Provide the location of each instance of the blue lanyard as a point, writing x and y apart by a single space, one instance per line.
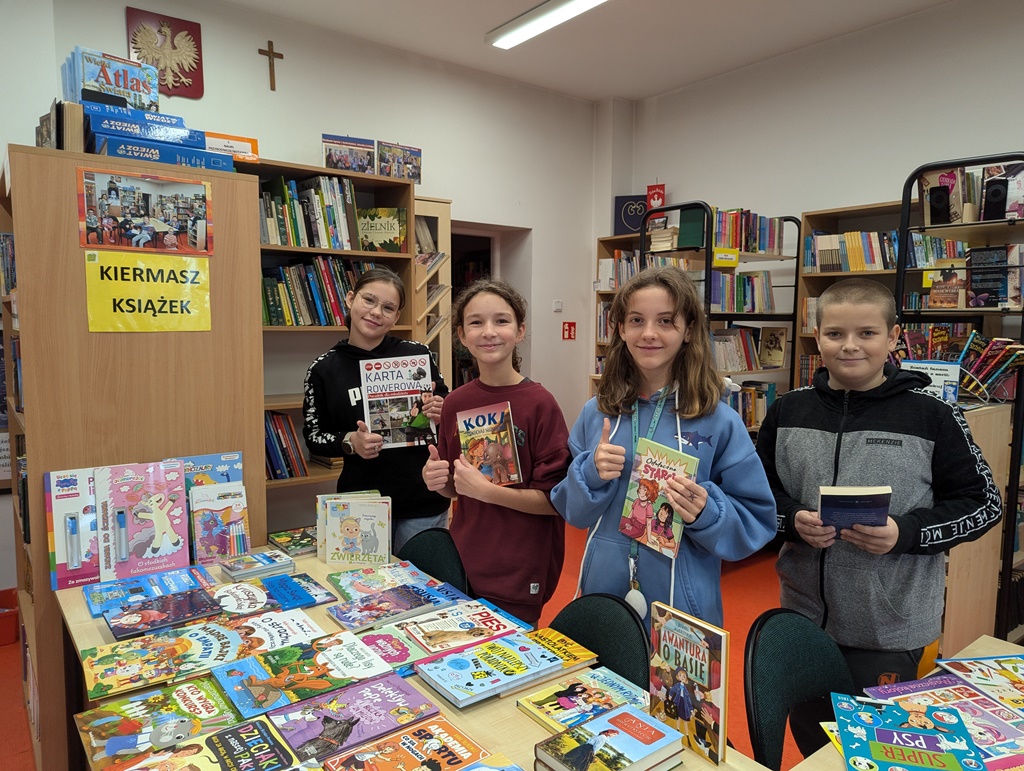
635 418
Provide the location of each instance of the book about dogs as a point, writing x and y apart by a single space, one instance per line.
393 392
432 743
647 515
576 698
487 437
456 627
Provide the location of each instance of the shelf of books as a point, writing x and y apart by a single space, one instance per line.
432 292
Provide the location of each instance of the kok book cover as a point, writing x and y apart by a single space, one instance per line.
487 436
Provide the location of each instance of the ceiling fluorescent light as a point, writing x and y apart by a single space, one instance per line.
538 20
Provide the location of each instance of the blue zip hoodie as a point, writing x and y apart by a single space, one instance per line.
739 517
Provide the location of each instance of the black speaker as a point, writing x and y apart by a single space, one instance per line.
938 204
994 198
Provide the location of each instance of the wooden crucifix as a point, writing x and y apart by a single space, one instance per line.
271 54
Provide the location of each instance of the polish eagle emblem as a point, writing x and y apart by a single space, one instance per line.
171 56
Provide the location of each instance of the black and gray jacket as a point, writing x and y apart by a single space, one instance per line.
943 494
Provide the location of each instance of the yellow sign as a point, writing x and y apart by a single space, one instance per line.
725 258
140 292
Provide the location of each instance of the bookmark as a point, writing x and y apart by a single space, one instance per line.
121 524
72 542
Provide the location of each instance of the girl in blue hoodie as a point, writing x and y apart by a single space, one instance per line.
659 382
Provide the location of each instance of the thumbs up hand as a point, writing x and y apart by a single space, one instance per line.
609 459
435 471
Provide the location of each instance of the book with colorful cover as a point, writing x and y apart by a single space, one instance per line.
951 203
456 627
1001 678
574 699
113 76
161 612
382 229
121 729
211 469
295 542
244 598
622 738
876 735
177 654
360 582
358 531
341 720
141 518
71 527
386 607
262 563
392 644
689 678
321 516
487 436
432 743
647 515
393 392
573 655
115 594
467 676
220 521
298 590
258 683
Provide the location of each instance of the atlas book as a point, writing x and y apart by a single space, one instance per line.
458 626
624 738
70 500
358 531
295 542
92 76
382 229
142 522
116 594
256 565
364 581
485 670
183 652
1001 678
771 353
574 699
842 507
689 678
397 648
430 744
487 437
923 737
289 674
167 610
124 728
220 521
647 515
386 607
339 721
393 394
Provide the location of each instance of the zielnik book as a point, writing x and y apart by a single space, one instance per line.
487 437
647 515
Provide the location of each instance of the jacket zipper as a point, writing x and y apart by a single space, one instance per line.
835 478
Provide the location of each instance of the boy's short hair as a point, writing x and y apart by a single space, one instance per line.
858 291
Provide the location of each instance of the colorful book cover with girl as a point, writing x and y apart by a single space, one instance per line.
360 582
386 607
487 436
575 699
393 393
142 521
341 720
456 627
220 521
114 594
358 531
432 743
161 612
647 515
71 527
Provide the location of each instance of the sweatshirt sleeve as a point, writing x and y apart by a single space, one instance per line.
550 451
785 506
967 502
317 426
583 497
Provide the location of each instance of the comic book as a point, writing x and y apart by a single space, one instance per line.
647 515
386 607
393 393
339 721
487 436
689 678
432 743
359 582
114 594
358 531
571 700
289 674
220 521
393 645
158 719
161 612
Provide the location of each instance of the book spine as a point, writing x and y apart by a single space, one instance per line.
155 132
159 152
127 113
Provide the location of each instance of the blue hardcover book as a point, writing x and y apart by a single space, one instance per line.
156 132
116 594
314 291
95 76
289 592
159 152
140 116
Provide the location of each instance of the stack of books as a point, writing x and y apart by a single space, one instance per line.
256 565
295 542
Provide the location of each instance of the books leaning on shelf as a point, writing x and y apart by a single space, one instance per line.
752 401
284 458
735 349
842 507
746 292
310 292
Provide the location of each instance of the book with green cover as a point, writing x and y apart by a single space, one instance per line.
647 515
382 229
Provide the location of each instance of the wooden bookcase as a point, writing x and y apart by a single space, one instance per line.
94 399
433 293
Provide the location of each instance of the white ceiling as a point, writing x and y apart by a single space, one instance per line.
631 49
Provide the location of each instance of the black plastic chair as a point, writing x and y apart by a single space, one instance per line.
788 660
434 551
609 627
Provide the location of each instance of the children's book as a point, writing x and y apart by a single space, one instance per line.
844 507
299 590
289 674
92 76
999 677
573 655
251 744
358 531
321 516
689 678
917 344
495 762
386 607
382 229
572 700
392 644
71 527
245 598
647 515
183 652
884 735
212 469
161 612
487 437
124 728
256 565
115 594
295 542
220 521
360 582
341 720
430 744
941 196
393 394
771 353
456 627
481 671
624 738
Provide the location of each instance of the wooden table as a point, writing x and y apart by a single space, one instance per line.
496 723
829 759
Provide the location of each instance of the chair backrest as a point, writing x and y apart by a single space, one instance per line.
434 551
788 660
609 627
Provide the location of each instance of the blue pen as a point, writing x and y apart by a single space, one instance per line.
74 547
122 534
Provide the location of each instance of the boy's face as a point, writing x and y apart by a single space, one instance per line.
854 344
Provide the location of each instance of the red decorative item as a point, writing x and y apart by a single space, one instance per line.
173 46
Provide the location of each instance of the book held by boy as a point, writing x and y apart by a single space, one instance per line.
574 699
487 437
842 507
647 515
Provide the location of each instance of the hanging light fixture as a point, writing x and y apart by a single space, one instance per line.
537 21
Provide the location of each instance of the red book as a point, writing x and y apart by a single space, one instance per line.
332 296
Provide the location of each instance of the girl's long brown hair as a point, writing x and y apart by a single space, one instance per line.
693 373
499 288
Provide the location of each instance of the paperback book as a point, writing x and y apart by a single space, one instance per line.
220 521
358 531
212 469
360 582
295 542
70 499
573 655
161 612
999 677
846 506
576 698
771 353
116 594
434 743
256 565
456 627
647 515
393 394
382 229
397 648
487 437
386 607
689 678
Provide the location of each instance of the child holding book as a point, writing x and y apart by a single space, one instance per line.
878 591
511 540
659 381
332 409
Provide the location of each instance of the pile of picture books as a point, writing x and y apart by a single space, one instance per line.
256 565
353 528
294 542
